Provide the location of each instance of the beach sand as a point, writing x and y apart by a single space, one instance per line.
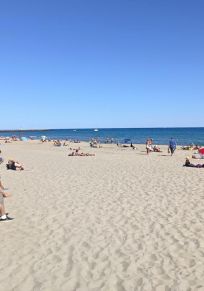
120 220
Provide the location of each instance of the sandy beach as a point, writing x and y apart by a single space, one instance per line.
116 221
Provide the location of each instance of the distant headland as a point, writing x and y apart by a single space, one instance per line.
23 130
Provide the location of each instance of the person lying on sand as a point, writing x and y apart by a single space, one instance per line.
190 147
197 156
14 165
76 153
189 164
3 215
81 154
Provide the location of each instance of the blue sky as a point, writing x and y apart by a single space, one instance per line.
101 63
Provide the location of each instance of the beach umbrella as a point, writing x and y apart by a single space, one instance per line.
201 151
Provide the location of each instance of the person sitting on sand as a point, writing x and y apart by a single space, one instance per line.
157 149
14 165
189 164
57 143
94 143
3 215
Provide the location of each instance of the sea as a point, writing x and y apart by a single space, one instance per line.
160 136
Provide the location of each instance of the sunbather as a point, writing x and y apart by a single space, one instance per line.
14 165
189 164
187 148
76 153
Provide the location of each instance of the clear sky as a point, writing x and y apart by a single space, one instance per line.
101 63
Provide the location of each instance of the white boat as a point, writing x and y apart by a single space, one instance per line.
95 129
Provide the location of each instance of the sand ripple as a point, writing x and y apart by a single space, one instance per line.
120 221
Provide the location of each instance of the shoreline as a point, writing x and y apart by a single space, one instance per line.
183 136
88 143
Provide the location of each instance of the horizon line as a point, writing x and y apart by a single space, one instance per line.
100 128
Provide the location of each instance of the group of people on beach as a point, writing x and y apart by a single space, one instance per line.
95 143
172 147
76 152
155 148
9 139
150 147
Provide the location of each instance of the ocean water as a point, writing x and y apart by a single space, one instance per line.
183 136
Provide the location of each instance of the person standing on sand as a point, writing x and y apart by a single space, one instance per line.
172 146
149 142
3 215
